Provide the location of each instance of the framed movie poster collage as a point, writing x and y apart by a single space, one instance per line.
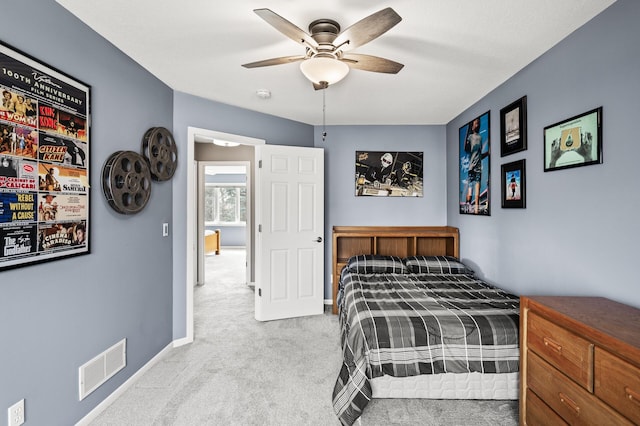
44 162
572 142
474 160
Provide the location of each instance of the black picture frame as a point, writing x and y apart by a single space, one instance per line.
574 142
389 174
513 127
474 159
514 185
44 162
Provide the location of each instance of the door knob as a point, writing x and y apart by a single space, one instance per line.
318 240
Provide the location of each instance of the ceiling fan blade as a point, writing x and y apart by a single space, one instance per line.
371 63
367 29
274 61
286 27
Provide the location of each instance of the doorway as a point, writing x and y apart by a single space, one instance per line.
224 214
196 138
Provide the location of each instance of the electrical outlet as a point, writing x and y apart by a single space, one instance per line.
16 413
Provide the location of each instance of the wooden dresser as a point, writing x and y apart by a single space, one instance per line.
580 361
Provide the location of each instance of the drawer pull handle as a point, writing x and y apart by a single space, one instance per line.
553 345
569 402
631 394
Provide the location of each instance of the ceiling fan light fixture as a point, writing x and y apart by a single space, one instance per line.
319 69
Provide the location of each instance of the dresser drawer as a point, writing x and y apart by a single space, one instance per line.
565 350
574 404
618 383
539 413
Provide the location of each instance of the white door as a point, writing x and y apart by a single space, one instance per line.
290 225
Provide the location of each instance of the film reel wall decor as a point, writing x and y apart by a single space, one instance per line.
126 182
159 148
127 175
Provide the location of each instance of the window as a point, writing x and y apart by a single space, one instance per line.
225 204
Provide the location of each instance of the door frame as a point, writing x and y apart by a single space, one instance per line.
192 219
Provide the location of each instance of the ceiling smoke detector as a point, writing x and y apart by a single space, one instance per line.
263 93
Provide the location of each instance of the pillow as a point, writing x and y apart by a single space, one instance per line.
376 264
436 265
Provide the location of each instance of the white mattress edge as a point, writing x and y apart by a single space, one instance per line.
449 386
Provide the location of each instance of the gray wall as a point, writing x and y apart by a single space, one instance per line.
343 208
193 111
579 232
58 315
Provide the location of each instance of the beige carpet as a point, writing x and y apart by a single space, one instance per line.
243 372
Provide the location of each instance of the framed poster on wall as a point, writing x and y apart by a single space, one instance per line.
389 174
574 142
44 162
514 185
513 127
474 149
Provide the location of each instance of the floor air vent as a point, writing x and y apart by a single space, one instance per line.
101 368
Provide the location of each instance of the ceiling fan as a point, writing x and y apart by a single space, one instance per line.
325 61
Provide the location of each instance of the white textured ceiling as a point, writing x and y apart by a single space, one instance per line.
454 51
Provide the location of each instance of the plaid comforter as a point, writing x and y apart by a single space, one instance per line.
408 324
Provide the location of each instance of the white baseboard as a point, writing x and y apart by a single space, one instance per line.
328 302
93 414
182 342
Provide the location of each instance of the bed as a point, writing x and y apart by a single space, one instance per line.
212 241
416 322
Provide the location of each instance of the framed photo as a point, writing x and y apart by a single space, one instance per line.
44 162
389 174
574 142
513 127
474 161
513 180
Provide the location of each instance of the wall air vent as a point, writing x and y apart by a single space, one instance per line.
101 368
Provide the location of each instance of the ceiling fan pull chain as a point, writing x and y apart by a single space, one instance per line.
324 116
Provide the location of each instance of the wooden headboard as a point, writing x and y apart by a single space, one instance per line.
399 241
